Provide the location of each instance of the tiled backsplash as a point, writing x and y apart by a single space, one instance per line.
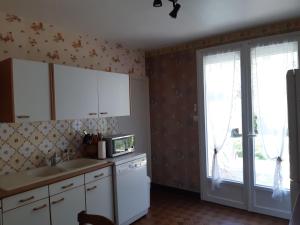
26 145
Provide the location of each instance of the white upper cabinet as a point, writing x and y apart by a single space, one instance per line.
34 91
76 94
113 90
31 91
25 91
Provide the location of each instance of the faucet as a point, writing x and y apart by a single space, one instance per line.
54 159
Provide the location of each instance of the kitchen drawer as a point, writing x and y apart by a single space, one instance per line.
25 198
36 213
98 174
66 185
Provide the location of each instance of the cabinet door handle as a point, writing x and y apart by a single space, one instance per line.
93 114
92 188
26 199
67 186
58 201
104 113
99 175
39 208
23 117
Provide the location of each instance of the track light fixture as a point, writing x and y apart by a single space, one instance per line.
176 7
175 10
157 3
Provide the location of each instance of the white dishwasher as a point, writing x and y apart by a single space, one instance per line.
132 192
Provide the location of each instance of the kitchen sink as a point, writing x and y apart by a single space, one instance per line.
77 163
45 171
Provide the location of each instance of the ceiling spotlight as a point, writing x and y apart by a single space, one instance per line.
175 10
157 3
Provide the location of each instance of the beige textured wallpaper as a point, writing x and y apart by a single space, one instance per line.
28 145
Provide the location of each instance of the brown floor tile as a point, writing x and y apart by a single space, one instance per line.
170 208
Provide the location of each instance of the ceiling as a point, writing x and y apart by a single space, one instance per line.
137 24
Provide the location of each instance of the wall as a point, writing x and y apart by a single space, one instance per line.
174 136
173 93
27 145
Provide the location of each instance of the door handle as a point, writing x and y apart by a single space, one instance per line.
23 117
92 188
93 114
26 200
58 201
252 135
67 186
39 208
103 113
99 175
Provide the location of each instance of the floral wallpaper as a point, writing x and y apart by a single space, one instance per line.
36 40
174 127
27 145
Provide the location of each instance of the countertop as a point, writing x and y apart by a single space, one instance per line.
18 183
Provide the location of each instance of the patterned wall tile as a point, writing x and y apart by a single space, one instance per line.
5 131
29 145
27 149
6 152
45 128
26 129
36 138
16 140
46 146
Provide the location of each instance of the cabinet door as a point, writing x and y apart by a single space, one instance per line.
65 206
99 198
76 95
113 90
31 88
33 214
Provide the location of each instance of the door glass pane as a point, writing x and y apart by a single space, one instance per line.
269 65
222 75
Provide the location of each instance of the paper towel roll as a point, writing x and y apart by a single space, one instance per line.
101 150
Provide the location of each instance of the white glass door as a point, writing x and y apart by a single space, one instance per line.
223 173
269 128
243 126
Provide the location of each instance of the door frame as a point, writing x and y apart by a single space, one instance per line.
202 126
248 202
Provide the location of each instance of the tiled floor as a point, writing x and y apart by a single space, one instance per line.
171 208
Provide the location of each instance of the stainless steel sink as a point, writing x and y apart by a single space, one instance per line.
77 163
45 171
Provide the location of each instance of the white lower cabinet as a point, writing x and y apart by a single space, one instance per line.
99 198
66 206
60 203
36 213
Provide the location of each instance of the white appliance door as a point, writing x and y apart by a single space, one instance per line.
131 190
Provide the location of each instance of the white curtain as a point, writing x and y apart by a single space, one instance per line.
269 65
220 71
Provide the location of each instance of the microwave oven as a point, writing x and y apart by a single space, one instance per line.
119 144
